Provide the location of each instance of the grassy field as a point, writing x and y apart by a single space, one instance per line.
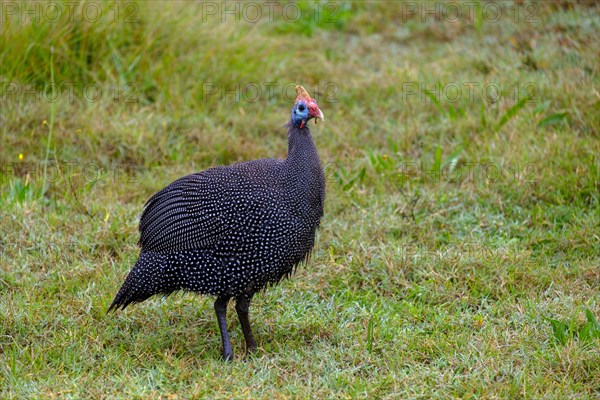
460 249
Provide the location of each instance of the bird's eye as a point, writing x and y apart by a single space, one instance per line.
301 107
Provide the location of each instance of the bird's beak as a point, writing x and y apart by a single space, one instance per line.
321 116
317 114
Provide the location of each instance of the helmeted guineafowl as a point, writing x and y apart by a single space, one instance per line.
232 231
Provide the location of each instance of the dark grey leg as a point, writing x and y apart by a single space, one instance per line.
242 305
221 311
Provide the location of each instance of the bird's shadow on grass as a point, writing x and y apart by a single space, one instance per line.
166 330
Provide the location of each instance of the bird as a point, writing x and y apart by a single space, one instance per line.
233 231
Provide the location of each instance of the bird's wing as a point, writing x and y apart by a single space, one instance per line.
187 214
199 210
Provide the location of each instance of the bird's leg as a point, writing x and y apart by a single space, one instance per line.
221 311
242 304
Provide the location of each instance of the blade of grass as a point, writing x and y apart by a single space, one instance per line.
552 119
511 112
51 124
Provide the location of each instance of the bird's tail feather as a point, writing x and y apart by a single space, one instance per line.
144 280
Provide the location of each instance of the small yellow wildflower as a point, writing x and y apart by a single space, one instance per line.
44 123
21 156
479 321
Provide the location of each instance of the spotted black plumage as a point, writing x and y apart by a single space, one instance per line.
232 231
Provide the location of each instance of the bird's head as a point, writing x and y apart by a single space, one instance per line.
304 108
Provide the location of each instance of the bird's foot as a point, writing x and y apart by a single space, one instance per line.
251 349
227 356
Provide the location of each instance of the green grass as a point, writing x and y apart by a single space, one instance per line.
459 253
